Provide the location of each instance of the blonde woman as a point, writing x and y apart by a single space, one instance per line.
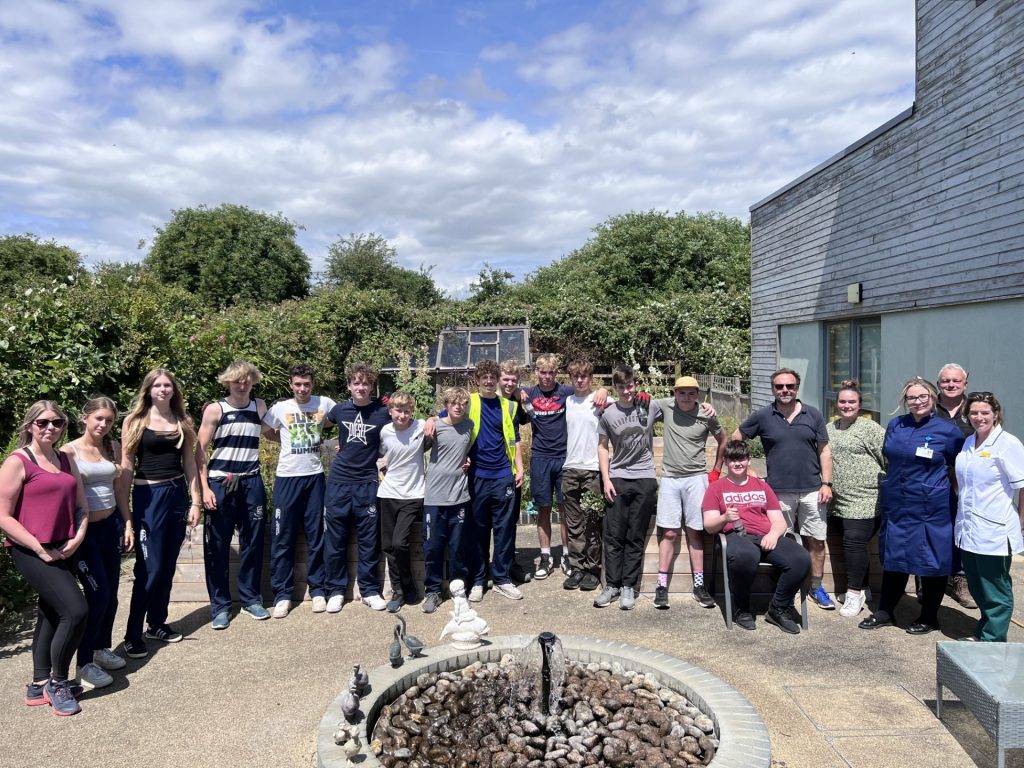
42 515
97 458
158 463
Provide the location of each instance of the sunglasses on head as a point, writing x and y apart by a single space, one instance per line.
786 386
44 423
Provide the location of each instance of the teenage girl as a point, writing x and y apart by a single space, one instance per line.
158 464
97 457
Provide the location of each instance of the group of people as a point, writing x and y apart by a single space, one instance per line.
66 517
940 485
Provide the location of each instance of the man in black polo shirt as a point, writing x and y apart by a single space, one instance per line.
951 406
799 467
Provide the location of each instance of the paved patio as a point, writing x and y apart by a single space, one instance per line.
253 695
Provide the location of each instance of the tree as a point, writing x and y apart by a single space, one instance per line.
26 257
490 284
367 262
230 254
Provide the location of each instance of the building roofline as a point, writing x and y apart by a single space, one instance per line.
905 114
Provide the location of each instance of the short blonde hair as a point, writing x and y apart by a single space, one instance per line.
581 368
548 362
402 400
455 395
511 366
238 370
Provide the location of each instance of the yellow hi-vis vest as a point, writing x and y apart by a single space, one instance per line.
508 415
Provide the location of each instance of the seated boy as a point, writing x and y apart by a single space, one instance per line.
400 495
446 501
748 511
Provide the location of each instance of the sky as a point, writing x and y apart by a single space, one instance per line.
497 131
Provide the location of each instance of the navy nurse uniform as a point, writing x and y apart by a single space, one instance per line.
917 499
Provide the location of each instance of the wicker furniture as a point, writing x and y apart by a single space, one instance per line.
989 679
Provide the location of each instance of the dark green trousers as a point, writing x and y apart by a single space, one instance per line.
988 577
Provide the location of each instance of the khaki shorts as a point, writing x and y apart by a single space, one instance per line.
804 514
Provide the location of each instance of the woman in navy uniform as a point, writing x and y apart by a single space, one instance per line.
918 507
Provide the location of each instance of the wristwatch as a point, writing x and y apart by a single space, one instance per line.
828 484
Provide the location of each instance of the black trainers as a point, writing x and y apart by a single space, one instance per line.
517 574
661 598
165 633
574 581
780 618
135 649
564 565
703 597
544 569
590 583
396 602
744 620
431 602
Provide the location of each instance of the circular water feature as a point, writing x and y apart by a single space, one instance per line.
735 727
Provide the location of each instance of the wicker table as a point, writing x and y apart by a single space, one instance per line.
989 679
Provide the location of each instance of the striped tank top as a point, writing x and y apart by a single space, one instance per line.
236 443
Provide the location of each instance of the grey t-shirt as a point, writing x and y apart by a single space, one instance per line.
630 441
686 435
447 483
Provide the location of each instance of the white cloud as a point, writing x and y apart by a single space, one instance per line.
108 126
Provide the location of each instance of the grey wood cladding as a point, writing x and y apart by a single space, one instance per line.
926 211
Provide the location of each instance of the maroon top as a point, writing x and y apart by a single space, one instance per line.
46 504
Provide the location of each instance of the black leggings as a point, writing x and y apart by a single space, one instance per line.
856 535
62 614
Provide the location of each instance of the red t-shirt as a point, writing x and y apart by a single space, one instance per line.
753 499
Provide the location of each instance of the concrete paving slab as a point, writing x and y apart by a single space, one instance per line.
886 709
931 751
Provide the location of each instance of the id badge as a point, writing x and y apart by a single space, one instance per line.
924 452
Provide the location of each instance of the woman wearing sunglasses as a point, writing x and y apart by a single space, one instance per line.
97 457
158 458
42 515
990 475
918 503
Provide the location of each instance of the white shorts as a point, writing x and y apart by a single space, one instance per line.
811 517
679 495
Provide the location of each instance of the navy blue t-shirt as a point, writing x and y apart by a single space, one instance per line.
550 433
791 450
358 440
488 458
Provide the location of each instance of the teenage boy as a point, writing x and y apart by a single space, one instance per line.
580 474
446 501
749 513
233 492
497 470
400 496
352 491
630 485
298 490
508 383
683 483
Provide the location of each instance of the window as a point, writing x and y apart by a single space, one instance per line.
853 350
463 348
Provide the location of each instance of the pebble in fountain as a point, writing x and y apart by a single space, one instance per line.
466 627
492 715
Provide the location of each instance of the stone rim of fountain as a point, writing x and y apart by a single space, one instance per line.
742 733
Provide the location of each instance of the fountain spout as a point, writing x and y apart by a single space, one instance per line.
547 642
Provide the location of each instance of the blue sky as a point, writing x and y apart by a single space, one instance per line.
464 132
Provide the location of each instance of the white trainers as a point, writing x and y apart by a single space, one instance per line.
319 604
476 594
511 591
107 659
335 603
281 608
376 602
93 677
852 605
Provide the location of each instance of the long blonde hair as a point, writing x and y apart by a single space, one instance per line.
142 403
101 403
33 413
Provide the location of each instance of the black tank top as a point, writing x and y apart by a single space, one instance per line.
158 457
